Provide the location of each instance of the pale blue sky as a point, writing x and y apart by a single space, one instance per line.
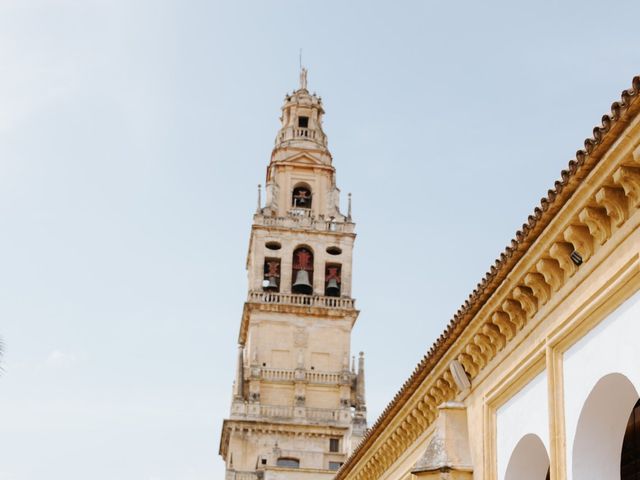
133 135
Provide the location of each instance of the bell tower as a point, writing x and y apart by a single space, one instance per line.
298 407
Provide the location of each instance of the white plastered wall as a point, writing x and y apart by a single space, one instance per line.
608 348
525 413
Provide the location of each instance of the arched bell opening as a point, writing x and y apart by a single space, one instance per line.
598 446
301 196
302 278
333 279
271 278
529 460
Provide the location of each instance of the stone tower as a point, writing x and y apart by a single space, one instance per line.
298 407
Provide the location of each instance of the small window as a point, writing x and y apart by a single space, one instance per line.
288 462
335 466
263 461
273 245
334 445
334 250
303 122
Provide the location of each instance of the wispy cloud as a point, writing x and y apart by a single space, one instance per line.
59 359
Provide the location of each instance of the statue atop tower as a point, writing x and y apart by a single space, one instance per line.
298 409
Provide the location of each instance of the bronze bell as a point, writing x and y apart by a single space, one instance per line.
333 289
302 283
270 284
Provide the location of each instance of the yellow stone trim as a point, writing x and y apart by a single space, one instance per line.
555 386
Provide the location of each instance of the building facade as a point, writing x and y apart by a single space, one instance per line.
537 375
298 405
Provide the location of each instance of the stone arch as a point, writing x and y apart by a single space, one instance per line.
302 270
301 195
601 426
529 460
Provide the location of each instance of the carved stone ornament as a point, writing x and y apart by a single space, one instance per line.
300 337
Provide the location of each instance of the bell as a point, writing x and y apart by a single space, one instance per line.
302 283
270 284
333 289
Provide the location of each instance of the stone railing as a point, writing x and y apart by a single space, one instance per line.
304 219
304 133
323 414
301 300
277 411
300 212
235 475
299 133
278 374
310 376
298 414
323 377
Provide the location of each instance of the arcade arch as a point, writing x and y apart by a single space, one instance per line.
529 460
600 433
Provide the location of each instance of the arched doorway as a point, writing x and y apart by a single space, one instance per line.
598 442
529 460
630 456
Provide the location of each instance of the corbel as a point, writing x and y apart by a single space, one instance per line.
527 300
581 239
445 387
629 178
497 338
419 418
614 201
503 322
597 222
551 271
515 312
467 362
540 288
437 394
448 378
561 252
427 410
478 356
485 345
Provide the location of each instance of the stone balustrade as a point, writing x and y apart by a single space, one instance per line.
235 475
277 411
301 300
309 376
324 377
303 219
300 133
299 414
278 374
